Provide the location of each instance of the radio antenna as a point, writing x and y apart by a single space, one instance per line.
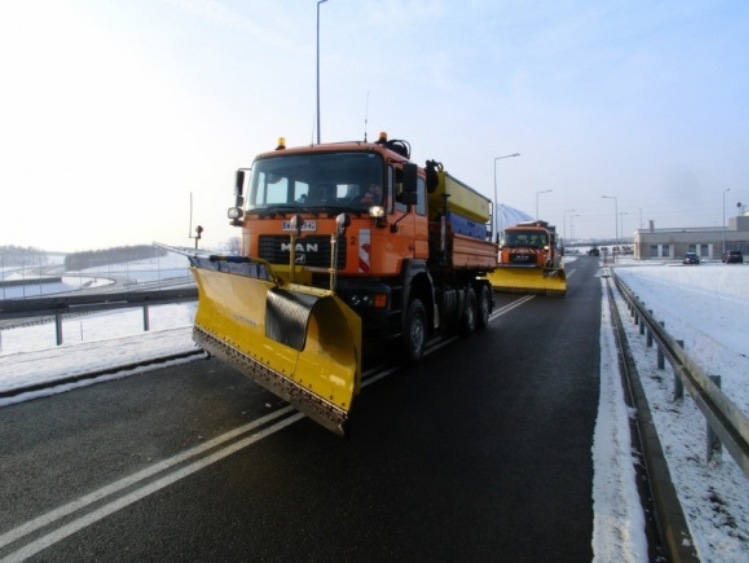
189 229
366 117
198 229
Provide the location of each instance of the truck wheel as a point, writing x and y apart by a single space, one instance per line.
484 308
468 318
414 332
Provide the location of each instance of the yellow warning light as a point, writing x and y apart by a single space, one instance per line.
281 143
383 136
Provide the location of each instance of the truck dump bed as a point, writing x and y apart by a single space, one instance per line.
462 201
460 251
471 253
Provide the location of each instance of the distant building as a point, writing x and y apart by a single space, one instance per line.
707 242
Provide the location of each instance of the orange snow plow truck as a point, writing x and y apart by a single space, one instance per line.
341 241
529 261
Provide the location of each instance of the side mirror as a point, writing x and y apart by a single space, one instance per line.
408 198
239 189
410 177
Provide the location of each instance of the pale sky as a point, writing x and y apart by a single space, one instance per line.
113 112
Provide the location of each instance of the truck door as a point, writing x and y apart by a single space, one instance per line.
412 233
421 222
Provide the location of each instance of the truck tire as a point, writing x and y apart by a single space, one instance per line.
414 332
484 307
468 318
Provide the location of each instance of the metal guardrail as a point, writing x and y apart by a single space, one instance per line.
22 308
728 423
60 306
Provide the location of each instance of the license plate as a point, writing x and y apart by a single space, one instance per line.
309 226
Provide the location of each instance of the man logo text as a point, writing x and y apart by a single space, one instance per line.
308 247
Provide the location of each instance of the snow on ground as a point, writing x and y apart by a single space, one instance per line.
156 269
618 518
707 306
28 355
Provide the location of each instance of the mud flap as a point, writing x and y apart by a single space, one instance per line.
301 343
529 280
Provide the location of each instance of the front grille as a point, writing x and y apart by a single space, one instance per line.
522 259
311 250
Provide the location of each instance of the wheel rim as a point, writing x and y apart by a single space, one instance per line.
484 305
470 312
417 334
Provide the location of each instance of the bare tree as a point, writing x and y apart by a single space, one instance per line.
234 245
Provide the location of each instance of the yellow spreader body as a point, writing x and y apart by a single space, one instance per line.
299 342
532 280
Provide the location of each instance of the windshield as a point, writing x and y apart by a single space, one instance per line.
321 181
537 239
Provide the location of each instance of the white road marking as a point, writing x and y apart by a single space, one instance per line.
510 306
120 503
50 517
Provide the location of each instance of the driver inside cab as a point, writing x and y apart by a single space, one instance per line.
373 194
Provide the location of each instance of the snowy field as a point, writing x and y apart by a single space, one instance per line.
155 271
707 306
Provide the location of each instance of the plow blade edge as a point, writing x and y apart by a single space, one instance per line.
301 343
529 280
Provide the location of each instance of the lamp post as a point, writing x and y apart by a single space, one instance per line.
723 229
538 194
318 69
564 222
572 225
616 216
616 219
621 224
496 205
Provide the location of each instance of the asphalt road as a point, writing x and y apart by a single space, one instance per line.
482 452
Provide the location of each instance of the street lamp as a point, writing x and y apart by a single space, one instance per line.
537 194
496 205
564 222
572 225
616 216
616 220
318 69
724 219
621 224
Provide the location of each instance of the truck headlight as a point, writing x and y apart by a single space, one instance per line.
234 213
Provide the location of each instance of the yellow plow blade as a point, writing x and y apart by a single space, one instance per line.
529 280
301 343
